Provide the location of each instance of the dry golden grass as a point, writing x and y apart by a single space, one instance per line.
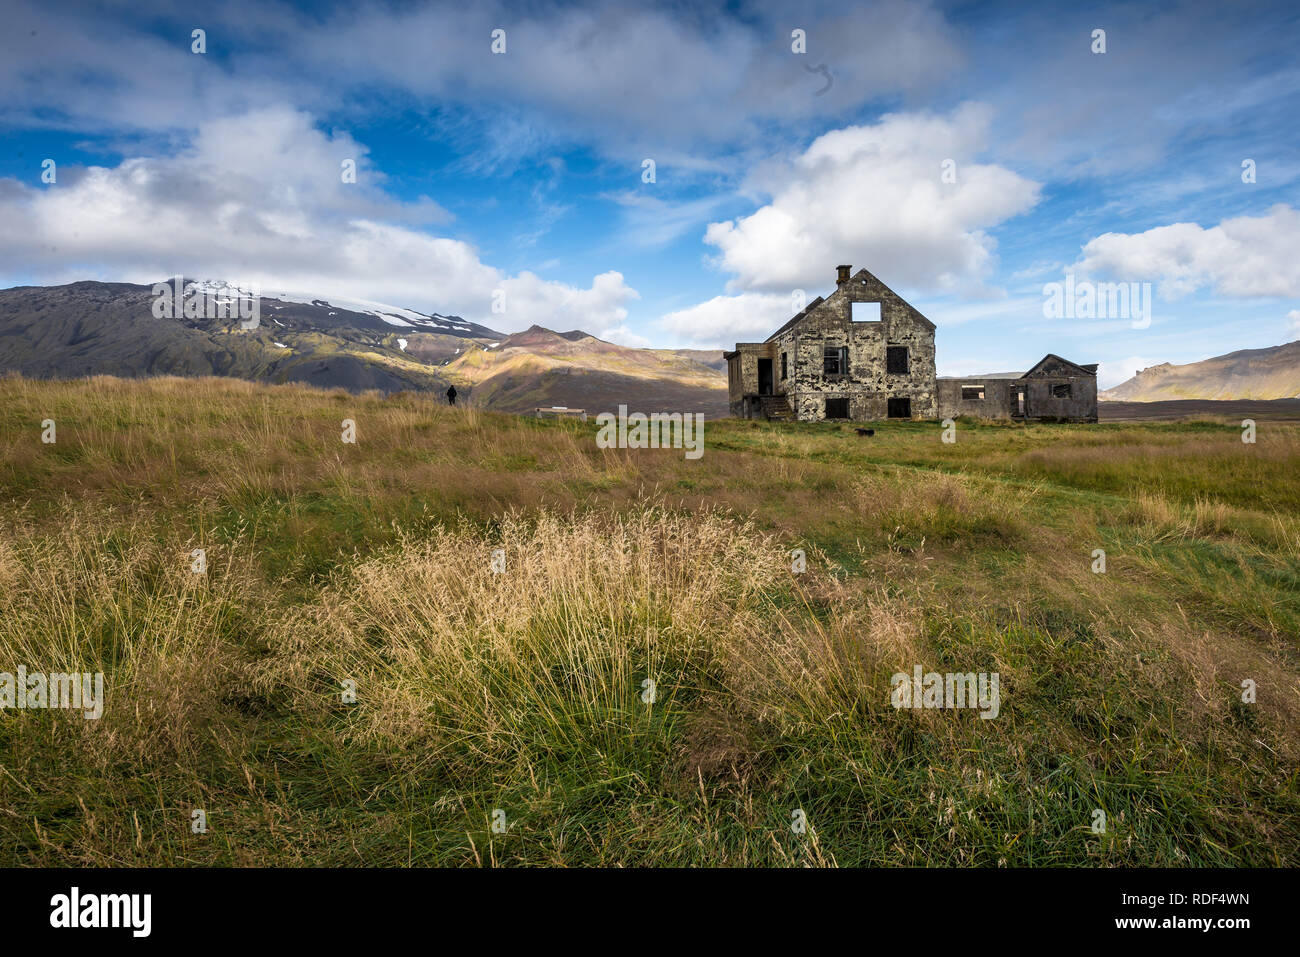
522 690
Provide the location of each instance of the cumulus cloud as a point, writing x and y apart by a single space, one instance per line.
531 300
1243 257
722 320
868 195
875 194
1111 374
260 198
1293 322
623 336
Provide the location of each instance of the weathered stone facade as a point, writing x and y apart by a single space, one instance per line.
825 363
989 397
829 362
1055 390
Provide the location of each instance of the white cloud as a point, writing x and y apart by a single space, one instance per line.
869 195
260 198
1293 322
722 320
874 195
1111 374
624 336
1242 257
530 300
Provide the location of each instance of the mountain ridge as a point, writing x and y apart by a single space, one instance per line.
1272 372
91 327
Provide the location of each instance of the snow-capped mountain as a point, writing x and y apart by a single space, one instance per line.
210 327
277 300
390 315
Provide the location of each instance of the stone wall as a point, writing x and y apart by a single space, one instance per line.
867 385
1039 385
998 403
1080 406
742 374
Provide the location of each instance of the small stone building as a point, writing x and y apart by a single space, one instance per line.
1055 390
860 353
865 353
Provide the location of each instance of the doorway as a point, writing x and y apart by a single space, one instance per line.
764 376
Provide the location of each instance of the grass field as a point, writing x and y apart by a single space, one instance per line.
522 692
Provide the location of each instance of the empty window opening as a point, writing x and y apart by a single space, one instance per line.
1061 391
783 366
837 408
866 312
900 408
972 393
896 359
835 360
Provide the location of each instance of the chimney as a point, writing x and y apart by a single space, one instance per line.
842 274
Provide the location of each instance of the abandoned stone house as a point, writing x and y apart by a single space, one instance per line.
1054 390
863 352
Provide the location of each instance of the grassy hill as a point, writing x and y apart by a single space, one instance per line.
1272 373
523 691
538 367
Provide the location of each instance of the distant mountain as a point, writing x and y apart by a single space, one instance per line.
538 367
1272 373
98 328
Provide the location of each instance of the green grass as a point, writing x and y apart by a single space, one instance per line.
522 691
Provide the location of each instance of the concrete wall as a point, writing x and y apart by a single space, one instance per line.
999 398
1081 406
1040 404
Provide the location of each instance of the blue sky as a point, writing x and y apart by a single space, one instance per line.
518 178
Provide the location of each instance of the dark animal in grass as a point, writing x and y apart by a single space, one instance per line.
865 431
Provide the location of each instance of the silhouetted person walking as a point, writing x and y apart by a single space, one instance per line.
451 395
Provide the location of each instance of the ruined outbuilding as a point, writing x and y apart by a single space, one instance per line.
1055 390
865 353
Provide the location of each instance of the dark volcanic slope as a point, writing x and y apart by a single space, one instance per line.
1282 410
94 328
